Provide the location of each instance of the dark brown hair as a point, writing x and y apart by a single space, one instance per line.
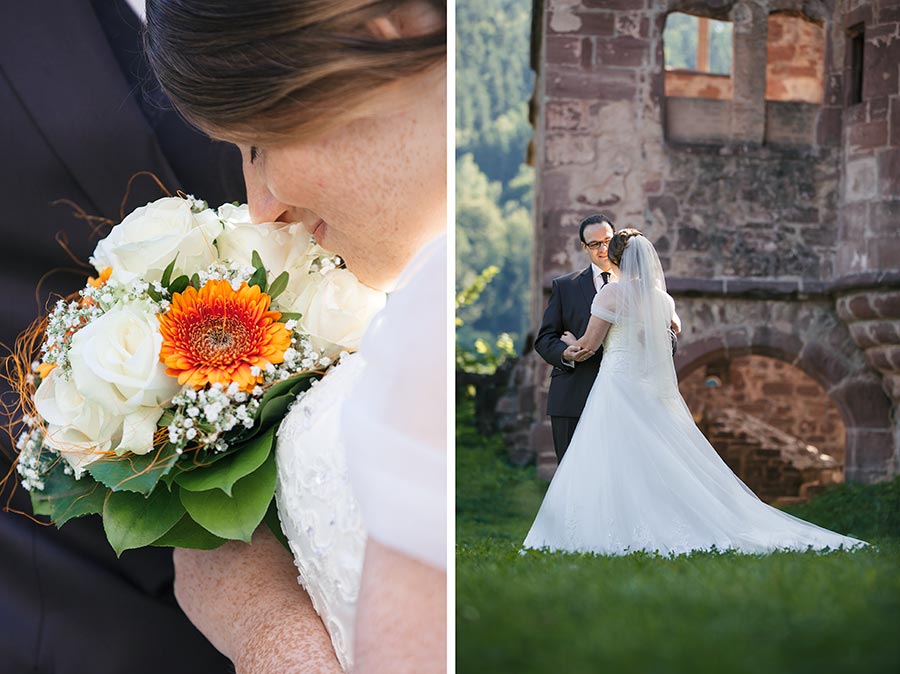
618 242
263 70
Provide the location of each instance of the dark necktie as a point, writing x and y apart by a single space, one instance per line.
604 278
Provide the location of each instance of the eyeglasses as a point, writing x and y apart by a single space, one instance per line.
595 245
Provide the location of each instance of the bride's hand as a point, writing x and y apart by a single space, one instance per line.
246 600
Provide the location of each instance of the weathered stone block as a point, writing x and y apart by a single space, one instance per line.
884 253
829 365
878 108
829 127
861 179
882 62
863 403
867 334
697 120
895 122
568 148
613 4
564 115
667 205
774 343
791 123
866 136
886 304
633 24
596 24
885 358
628 52
564 51
862 13
889 173
600 84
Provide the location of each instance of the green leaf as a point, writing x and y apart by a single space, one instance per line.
256 261
132 521
223 474
279 285
180 284
167 418
258 279
290 316
155 296
195 280
133 472
188 534
274 411
235 517
64 498
167 274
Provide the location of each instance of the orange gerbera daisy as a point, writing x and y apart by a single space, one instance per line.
217 334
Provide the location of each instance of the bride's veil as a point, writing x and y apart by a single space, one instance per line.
644 313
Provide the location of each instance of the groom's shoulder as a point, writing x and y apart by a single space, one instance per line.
571 277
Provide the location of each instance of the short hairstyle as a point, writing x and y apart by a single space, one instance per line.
596 219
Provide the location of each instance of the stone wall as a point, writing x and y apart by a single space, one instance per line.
795 59
767 214
778 467
779 393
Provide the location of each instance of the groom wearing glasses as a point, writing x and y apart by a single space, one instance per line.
569 310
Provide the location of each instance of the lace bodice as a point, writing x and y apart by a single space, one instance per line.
318 511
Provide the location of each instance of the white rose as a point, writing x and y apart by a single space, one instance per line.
279 246
115 362
234 215
337 310
146 241
80 430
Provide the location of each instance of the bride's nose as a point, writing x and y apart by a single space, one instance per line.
264 207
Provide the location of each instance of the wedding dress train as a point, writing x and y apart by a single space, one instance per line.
639 474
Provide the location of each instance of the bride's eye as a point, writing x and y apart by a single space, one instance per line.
254 153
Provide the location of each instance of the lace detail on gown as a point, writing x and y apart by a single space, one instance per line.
639 475
318 511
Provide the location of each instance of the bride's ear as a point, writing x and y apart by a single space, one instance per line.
411 19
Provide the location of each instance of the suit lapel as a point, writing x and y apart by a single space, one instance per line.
50 58
586 282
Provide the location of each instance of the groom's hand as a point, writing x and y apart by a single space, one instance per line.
577 353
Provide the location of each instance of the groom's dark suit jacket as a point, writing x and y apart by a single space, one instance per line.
569 309
76 122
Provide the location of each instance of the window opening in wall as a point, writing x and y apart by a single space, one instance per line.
697 54
795 59
857 38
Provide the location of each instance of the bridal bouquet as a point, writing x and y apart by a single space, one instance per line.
153 396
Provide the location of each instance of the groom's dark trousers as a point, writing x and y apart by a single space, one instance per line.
569 308
77 120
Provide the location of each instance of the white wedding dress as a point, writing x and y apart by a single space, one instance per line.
364 450
318 510
639 474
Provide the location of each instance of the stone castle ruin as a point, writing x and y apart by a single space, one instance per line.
772 193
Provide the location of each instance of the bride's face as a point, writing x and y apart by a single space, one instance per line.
373 190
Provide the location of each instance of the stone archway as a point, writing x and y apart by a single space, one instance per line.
773 424
810 336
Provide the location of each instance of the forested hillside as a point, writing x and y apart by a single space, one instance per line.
493 186
494 82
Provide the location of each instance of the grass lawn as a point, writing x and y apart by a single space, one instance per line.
787 613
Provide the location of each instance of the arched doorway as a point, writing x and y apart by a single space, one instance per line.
774 425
